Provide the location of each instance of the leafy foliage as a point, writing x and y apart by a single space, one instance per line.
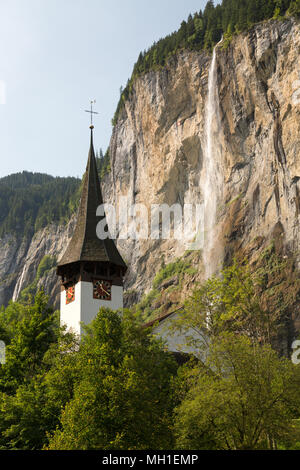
31 394
242 397
34 332
122 399
244 301
111 391
119 389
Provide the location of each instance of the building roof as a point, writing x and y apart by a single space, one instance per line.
161 318
85 245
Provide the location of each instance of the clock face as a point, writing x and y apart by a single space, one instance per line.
102 290
70 294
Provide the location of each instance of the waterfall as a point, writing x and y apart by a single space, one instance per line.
211 180
19 284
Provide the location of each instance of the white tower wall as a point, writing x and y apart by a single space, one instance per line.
85 308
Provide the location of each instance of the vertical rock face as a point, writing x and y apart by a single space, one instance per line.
158 151
158 147
20 259
260 110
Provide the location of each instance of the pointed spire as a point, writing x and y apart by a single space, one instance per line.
85 245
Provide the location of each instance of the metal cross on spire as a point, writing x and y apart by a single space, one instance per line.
91 112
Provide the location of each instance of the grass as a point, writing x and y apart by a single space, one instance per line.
153 304
47 263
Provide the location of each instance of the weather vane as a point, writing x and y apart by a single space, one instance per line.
91 112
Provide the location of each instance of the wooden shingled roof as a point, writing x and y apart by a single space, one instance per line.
85 245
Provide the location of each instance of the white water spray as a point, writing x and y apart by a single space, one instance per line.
19 284
211 181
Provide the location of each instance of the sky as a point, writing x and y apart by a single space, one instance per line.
57 55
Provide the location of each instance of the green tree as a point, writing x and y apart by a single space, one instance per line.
294 8
32 337
122 400
242 301
27 416
30 201
242 397
203 30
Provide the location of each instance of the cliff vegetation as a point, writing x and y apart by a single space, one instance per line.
203 30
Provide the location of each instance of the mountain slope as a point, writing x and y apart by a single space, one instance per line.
158 154
159 150
30 201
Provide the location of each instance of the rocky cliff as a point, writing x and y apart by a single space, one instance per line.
20 259
159 147
160 153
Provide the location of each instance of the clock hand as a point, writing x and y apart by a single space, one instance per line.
104 290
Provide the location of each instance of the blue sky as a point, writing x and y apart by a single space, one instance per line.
57 54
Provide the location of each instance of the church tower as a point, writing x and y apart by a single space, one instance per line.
91 269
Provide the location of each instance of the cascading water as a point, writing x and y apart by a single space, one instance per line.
211 181
18 286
